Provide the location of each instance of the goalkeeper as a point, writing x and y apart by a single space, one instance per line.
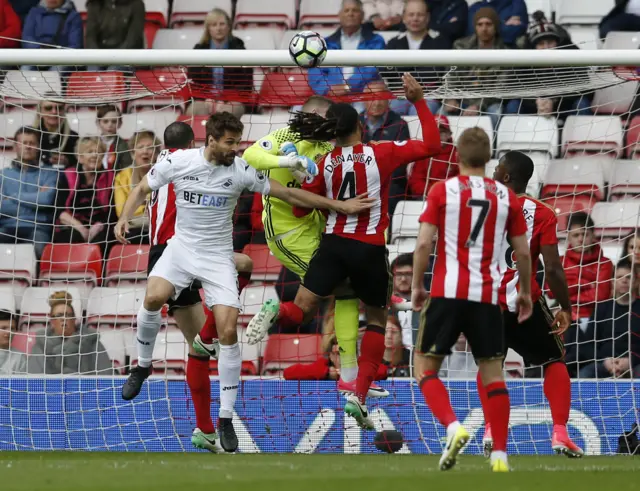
294 240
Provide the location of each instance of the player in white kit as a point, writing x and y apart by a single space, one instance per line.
207 183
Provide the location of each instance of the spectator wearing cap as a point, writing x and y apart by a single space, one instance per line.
543 34
384 15
513 16
486 36
351 35
448 17
425 173
625 16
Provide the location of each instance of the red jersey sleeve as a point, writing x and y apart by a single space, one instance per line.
435 200
516 224
549 230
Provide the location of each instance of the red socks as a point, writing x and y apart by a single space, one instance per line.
371 354
498 409
200 388
437 398
209 332
290 315
557 389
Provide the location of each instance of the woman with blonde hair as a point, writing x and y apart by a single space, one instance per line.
88 205
66 346
211 83
58 141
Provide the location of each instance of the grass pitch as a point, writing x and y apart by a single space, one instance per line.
53 471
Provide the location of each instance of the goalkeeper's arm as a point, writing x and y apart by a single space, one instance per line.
265 155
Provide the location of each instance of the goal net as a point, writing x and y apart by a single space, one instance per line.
74 143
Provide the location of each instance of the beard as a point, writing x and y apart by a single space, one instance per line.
226 159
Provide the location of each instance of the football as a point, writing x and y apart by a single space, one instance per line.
308 49
388 441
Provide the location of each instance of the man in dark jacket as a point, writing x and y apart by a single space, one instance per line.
513 18
448 17
625 16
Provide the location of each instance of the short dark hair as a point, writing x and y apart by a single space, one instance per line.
474 147
624 263
27 130
519 166
5 315
580 219
341 120
402 260
178 135
218 123
104 109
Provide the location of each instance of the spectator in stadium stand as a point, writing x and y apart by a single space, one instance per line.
352 34
209 82
625 16
22 7
30 194
425 173
384 15
65 346
114 24
402 271
588 275
11 360
87 209
50 24
513 16
10 26
614 323
109 121
397 359
631 252
144 146
543 34
58 142
487 36
449 17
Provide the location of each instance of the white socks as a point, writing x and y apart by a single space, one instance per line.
348 374
229 364
148 327
452 428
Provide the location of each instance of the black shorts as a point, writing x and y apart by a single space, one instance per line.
533 339
189 296
365 265
444 319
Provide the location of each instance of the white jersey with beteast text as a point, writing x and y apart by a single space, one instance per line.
206 196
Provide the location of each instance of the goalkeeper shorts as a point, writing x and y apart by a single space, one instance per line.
295 249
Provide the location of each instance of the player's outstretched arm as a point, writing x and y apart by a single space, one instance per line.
305 199
265 154
554 274
522 255
421 256
135 199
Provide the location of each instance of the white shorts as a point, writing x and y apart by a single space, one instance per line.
217 274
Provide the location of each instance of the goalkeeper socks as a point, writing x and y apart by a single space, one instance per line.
290 315
209 332
437 398
147 332
557 389
346 321
371 354
229 364
200 388
498 409
482 395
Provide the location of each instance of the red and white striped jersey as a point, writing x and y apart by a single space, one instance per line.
542 227
474 216
162 210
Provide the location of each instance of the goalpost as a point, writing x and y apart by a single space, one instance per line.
581 162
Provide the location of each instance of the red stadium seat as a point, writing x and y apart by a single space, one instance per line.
266 266
150 30
158 80
91 86
564 206
71 262
284 350
198 124
284 89
127 264
23 342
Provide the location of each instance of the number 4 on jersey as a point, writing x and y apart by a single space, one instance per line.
348 187
484 206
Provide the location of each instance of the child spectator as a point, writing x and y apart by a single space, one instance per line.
109 121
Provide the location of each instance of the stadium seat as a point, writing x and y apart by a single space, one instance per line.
113 341
194 11
198 124
283 89
284 350
257 38
35 304
405 220
633 138
126 264
259 12
163 86
616 99
592 134
581 12
23 342
528 134
81 6
169 353
183 38
6 158
545 5
585 37
252 298
114 307
625 180
17 263
574 176
7 299
287 35
622 40
266 266
314 13
155 121
564 206
457 123
257 126
617 219
612 248
84 123
399 248
26 88
156 11
71 262
96 87
11 121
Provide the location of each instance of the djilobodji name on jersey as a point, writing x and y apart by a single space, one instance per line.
205 199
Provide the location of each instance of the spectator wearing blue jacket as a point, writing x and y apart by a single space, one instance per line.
53 23
29 194
339 81
449 17
514 18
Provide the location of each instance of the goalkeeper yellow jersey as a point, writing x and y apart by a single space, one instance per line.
278 217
